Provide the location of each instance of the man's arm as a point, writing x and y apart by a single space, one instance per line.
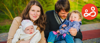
79 34
76 34
46 32
75 31
74 28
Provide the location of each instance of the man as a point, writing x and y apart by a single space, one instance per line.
56 17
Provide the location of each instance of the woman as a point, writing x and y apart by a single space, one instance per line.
34 12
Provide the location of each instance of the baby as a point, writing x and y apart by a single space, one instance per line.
63 32
27 31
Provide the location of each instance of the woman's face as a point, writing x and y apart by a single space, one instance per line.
34 12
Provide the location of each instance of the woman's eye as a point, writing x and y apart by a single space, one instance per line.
32 10
38 11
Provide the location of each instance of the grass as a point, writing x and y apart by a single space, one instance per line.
9 14
4 28
3 17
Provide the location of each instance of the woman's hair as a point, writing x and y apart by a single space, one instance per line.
62 5
41 21
80 15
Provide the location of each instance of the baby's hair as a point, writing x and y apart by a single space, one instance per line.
76 11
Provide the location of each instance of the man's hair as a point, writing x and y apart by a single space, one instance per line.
62 5
76 11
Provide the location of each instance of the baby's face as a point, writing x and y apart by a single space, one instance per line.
74 17
29 29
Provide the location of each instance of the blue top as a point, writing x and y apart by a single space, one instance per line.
70 24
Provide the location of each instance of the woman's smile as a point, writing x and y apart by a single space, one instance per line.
34 16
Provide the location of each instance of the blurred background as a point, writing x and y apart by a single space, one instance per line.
9 9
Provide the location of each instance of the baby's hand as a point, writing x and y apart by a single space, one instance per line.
58 31
61 29
27 41
64 25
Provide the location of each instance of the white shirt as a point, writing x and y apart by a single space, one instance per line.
62 19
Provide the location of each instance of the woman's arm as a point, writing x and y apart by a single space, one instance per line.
14 26
43 40
16 36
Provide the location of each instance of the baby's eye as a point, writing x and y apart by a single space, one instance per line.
27 29
31 28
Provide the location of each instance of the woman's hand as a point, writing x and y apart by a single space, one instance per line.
73 31
28 41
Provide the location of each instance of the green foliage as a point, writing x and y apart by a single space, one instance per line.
9 13
47 4
13 8
4 28
3 16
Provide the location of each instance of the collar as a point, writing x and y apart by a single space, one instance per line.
80 22
58 19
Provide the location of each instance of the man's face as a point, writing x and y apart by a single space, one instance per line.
63 14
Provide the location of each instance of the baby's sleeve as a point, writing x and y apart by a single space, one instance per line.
76 26
66 22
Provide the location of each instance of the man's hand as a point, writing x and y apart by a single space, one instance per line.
64 25
73 31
